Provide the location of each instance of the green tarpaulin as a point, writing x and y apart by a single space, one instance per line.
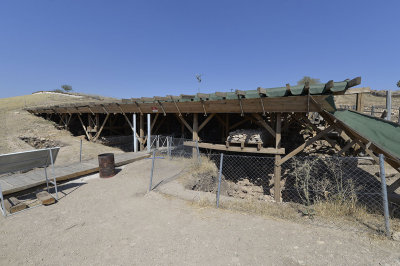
384 134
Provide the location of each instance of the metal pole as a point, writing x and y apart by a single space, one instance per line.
80 152
389 104
135 146
152 169
158 141
148 133
384 194
54 173
219 178
169 148
372 110
3 209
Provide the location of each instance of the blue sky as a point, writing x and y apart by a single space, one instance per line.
154 48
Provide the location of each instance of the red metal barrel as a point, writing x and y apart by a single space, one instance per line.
106 165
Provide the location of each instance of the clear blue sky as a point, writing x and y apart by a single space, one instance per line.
154 48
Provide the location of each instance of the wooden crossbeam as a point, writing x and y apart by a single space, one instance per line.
205 122
305 144
101 128
346 147
185 123
316 129
84 128
153 122
262 122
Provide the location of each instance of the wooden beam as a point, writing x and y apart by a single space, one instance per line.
359 102
277 166
264 124
183 121
346 147
354 82
101 128
205 122
84 128
141 131
358 90
329 85
222 147
305 144
307 121
154 122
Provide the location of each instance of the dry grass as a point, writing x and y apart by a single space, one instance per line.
20 102
262 208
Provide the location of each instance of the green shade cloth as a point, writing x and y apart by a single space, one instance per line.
384 134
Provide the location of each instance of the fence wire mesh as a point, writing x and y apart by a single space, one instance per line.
342 192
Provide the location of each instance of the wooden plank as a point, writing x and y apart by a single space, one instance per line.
180 118
278 104
222 147
13 205
354 82
358 90
305 144
153 122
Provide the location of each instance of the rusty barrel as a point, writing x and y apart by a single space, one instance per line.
106 165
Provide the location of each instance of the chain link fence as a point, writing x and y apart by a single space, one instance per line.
342 192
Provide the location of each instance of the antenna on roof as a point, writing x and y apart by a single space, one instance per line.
198 77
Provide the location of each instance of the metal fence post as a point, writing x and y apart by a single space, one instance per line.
148 132
135 146
3 209
152 169
219 178
80 152
389 104
384 194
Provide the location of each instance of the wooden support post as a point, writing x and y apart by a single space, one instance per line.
277 166
359 103
227 125
195 131
141 131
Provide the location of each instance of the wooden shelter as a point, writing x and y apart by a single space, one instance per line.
274 110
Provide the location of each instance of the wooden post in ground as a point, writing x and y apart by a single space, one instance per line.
226 125
141 131
195 131
277 167
359 103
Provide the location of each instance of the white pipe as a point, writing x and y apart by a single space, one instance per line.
148 132
135 144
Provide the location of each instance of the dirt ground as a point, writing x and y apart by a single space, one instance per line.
17 123
114 221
